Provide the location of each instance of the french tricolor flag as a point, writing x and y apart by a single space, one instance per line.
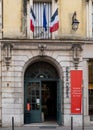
32 20
54 22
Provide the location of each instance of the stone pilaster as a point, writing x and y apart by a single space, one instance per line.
0 61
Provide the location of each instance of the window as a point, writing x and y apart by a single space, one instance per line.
38 8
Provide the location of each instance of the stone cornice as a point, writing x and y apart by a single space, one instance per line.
52 41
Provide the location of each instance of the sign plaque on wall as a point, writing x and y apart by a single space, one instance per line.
67 82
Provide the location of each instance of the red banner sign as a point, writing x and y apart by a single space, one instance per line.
76 91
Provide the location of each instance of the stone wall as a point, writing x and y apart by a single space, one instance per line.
13 24
13 81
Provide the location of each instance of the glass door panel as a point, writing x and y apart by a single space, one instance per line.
33 102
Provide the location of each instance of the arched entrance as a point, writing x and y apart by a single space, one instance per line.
42 93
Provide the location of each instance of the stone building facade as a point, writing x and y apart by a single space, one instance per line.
35 67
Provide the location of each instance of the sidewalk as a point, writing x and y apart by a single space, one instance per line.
47 128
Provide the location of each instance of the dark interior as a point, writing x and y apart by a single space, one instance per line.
49 100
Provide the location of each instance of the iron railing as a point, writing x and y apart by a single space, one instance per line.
40 33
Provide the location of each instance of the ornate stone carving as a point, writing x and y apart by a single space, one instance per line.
7 53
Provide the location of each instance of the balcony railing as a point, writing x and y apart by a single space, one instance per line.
40 33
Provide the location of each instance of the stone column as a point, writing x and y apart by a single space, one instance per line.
85 90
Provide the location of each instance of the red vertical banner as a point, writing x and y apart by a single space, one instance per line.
76 91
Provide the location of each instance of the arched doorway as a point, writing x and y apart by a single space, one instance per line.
42 93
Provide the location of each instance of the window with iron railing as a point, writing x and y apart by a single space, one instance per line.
38 8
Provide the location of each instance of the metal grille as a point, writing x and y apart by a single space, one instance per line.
41 70
39 32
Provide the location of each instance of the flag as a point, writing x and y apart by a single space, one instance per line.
44 18
32 20
54 25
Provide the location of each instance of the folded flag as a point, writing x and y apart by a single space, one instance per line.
44 18
32 20
54 25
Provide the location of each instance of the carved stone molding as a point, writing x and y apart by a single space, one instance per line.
76 48
42 48
7 53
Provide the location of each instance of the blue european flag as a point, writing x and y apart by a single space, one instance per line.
44 18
